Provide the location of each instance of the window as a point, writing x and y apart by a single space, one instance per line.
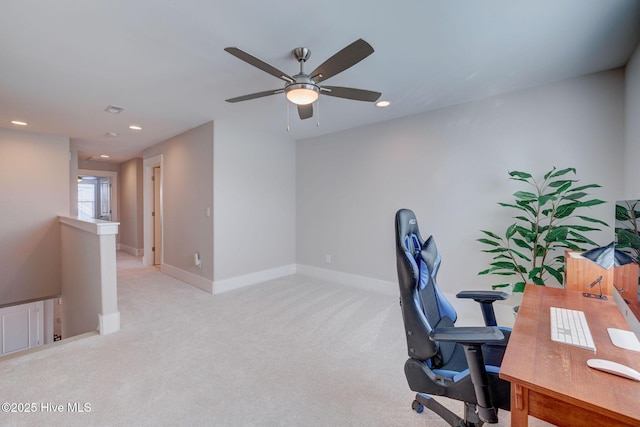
94 197
87 198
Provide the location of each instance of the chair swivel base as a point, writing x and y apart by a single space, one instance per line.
425 401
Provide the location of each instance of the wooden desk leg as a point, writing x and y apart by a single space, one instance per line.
519 405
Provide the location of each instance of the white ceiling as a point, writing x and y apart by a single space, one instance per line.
63 62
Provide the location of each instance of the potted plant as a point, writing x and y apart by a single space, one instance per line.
547 221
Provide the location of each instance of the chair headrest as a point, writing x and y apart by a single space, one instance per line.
407 226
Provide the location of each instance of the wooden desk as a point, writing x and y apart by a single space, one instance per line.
551 381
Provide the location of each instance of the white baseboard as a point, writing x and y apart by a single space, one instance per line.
130 250
109 323
238 282
187 277
361 282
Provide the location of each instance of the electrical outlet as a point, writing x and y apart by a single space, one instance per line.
327 259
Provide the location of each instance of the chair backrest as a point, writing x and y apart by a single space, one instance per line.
423 305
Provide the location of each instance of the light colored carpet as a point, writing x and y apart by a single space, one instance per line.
290 352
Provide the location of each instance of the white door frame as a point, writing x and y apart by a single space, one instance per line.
147 182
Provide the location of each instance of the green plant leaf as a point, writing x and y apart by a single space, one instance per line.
511 230
504 265
560 183
628 239
518 287
522 175
558 233
562 187
585 187
594 220
575 196
542 200
500 285
526 205
490 234
494 251
509 205
564 211
525 232
525 195
548 174
488 242
575 237
555 273
521 243
537 281
534 272
588 203
563 172
524 219
622 214
582 228
520 255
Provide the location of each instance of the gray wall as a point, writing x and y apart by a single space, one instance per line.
632 124
187 192
34 190
131 231
254 201
450 166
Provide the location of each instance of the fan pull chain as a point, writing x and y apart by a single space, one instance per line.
318 115
288 123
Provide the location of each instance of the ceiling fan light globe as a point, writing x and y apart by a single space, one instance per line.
302 94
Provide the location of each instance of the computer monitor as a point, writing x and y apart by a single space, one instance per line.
630 309
627 240
627 236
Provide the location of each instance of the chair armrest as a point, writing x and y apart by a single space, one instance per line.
486 300
472 339
487 296
467 334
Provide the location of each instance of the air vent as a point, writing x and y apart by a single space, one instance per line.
113 109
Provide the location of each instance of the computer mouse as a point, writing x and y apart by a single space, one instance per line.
614 368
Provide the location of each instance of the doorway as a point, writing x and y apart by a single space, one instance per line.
157 225
152 210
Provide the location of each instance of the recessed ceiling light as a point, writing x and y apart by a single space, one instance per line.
383 104
104 156
113 109
18 122
134 127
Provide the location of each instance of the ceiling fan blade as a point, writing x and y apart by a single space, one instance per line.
305 111
347 57
255 95
351 93
258 63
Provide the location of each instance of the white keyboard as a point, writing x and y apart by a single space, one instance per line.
570 327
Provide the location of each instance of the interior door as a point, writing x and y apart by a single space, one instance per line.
21 327
157 220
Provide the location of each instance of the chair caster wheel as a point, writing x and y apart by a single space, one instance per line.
417 406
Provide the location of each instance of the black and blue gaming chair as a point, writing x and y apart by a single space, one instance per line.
460 363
